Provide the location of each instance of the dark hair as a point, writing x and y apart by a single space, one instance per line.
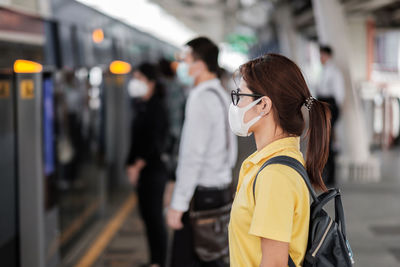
165 68
151 72
281 80
326 49
204 49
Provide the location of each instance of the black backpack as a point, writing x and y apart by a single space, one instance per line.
327 243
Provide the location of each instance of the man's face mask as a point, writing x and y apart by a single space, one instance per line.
183 74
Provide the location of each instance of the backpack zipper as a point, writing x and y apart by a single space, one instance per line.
323 238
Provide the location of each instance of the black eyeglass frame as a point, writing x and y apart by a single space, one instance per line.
235 93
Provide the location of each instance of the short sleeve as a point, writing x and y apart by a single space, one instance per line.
274 206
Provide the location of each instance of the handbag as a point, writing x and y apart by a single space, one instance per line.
210 232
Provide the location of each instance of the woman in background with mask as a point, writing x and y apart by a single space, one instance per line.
145 168
270 218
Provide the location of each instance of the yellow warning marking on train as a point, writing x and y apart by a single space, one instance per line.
108 233
26 66
27 89
120 67
4 89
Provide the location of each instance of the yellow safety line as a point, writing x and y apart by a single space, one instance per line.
78 222
72 229
108 233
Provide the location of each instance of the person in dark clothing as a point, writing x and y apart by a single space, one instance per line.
145 168
175 99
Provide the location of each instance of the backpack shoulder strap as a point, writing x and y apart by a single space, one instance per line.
290 162
297 166
291 262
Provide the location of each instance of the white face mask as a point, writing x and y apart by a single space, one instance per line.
137 88
236 119
183 74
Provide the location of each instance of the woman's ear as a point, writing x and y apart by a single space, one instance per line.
265 106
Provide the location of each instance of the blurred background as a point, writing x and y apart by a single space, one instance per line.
65 113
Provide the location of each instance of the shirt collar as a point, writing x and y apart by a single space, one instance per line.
329 63
208 83
274 147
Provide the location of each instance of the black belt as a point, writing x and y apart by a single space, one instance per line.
211 197
215 188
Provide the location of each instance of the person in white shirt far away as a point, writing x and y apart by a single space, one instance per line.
330 89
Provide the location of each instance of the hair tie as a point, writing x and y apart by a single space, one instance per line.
309 102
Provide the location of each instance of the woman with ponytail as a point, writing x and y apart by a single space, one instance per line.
270 221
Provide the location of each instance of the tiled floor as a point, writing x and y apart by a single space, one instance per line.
373 216
128 247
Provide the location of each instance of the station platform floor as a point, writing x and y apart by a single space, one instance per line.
128 247
372 212
373 215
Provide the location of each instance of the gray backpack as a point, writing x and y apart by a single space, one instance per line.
327 243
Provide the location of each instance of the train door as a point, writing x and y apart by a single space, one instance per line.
118 122
79 177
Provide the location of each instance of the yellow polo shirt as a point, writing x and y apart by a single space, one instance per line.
280 212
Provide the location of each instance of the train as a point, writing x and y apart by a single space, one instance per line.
64 126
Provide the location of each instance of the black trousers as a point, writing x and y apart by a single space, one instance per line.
330 167
183 254
150 195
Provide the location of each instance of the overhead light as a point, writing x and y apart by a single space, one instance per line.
120 67
146 16
26 66
98 36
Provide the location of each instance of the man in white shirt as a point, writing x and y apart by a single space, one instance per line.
208 149
331 90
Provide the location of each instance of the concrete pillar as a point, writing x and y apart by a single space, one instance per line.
333 29
44 8
295 46
286 32
358 48
5 2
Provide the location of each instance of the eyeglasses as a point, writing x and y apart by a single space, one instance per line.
235 95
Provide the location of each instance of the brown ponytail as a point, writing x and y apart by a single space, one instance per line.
318 142
281 80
